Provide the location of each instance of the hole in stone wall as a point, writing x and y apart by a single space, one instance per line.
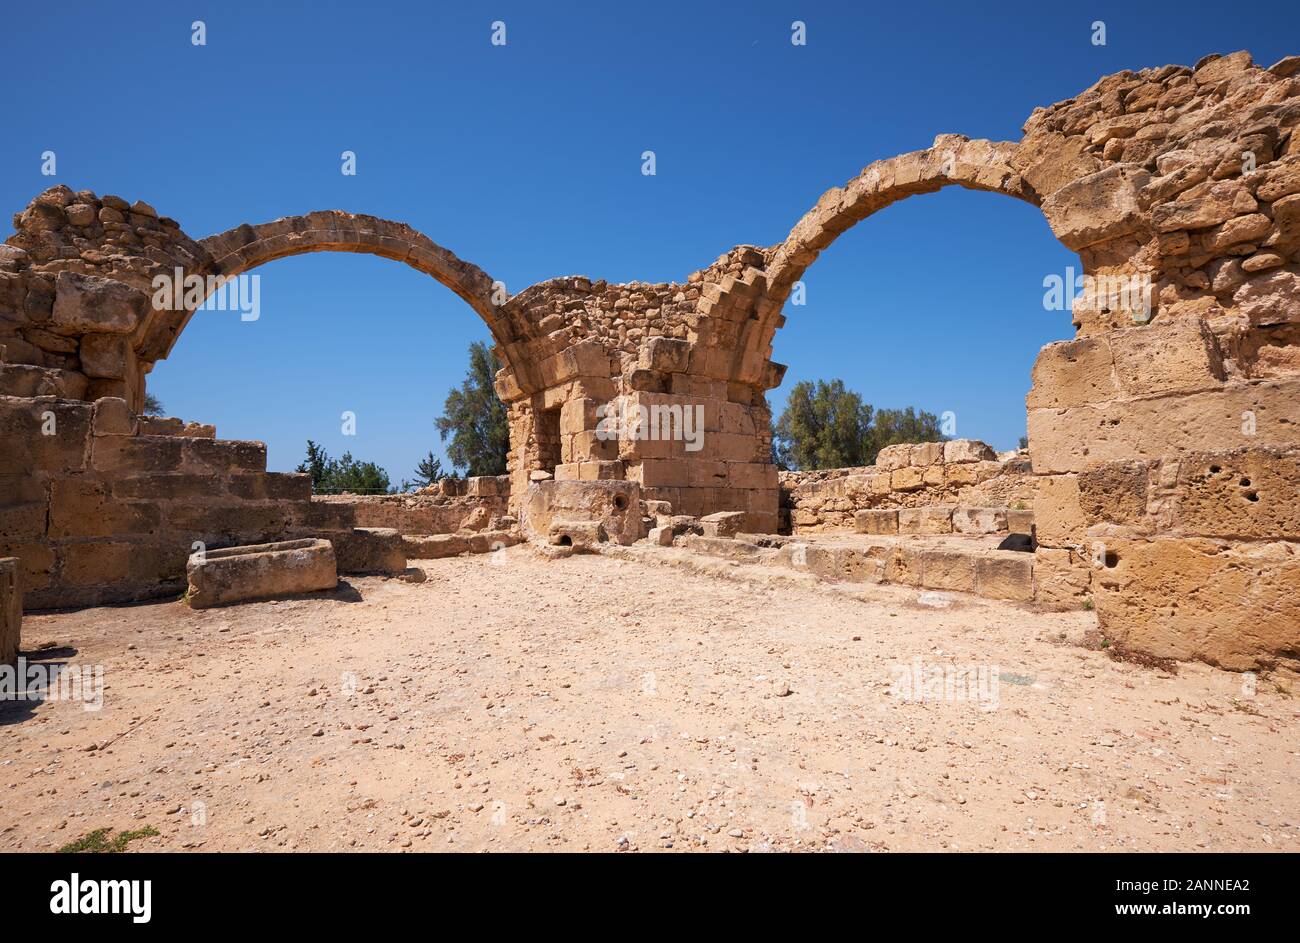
565 540
1252 496
547 433
1111 559
620 502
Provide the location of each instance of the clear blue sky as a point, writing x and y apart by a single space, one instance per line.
525 159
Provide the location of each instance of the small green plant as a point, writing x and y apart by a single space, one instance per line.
1105 643
1019 506
1087 604
98 842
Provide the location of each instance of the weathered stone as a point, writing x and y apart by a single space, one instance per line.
880 521
1020 520
1005 575
580 535
11 610
1062 579
722 523
1099 207
89 303
1197 599
925 520
979 520
363 550
966 450
613 504
1176 356
1058 518
264 571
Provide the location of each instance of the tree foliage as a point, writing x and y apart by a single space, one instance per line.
826 425
430 470
152 406
336 475
475 418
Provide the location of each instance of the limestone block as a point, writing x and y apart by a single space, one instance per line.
904 566
666 354
722 523
600 471
967 450
580 535
169 425
1020 520
882 521
1115 493
1058 518
11 610
81 507
928 453
370 550
906 479
91 304
1098 207
894 456
112 417
18 379
1257 414
1062 579
1243 494
1071 373
616 505
1235 607
481 486
107 355
661 536
261 571
948 569
1166 357
1207 204
1005 575
1052 160
925 520
967 520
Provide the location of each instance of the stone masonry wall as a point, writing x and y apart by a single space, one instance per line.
100 505
962 472
1178 186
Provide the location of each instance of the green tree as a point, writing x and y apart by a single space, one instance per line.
475 418
826 425
336 475
893 426
429 470
152 405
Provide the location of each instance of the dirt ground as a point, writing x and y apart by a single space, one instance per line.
643 702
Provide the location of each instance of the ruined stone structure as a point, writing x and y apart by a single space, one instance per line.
1180 185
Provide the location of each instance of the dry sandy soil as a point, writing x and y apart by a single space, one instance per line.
638 702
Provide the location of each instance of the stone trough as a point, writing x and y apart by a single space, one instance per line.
11 610
260 571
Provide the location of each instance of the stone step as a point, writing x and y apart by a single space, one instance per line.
437 546
953 563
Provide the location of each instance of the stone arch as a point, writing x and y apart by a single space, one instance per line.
953 160
236 251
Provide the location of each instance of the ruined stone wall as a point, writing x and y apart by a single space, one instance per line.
449 506
1190 556
100 505
1181 180
961 472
